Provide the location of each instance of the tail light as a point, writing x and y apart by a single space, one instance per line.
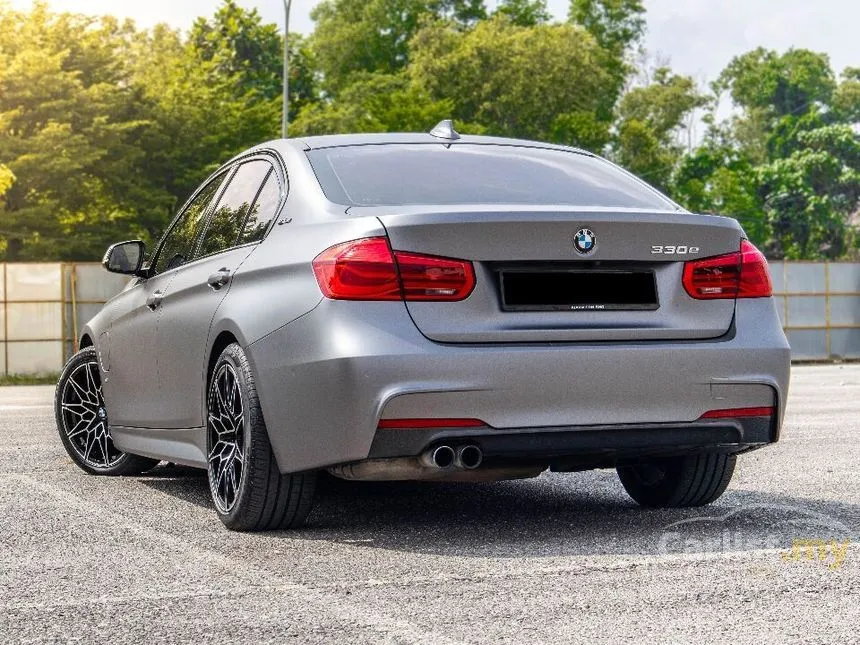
743 274
367 269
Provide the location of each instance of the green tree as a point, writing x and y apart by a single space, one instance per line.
374 103
779 95
239 45
543 82
373 35
810 195
69 126
617 25
235 43
198 118
650 121
525 13
785 163
717 178
7 178
107 128
846 99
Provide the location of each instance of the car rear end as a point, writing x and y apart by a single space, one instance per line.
466 340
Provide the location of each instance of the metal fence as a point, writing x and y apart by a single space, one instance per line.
44 305
819 305
41 307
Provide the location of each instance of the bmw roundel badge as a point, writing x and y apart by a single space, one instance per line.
585 241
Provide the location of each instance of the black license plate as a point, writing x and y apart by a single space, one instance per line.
578 290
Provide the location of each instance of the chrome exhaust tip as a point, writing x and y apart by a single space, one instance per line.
469 457
441 457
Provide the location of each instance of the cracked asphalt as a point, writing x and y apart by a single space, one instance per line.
558 559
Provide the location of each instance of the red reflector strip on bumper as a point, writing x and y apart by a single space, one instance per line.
431 423
735 413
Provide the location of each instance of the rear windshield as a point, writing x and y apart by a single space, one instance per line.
405 174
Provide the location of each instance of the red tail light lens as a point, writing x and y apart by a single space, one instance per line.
358 270
426 277
367 269
735 275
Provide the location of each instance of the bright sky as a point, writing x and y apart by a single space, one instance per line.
698 36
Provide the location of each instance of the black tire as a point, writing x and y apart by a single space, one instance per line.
82 421
672 482
256 496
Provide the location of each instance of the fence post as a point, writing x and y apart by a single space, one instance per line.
5 318
73 282
827 320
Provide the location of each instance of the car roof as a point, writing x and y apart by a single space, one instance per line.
342 140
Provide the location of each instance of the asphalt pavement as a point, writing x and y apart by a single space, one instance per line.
563 558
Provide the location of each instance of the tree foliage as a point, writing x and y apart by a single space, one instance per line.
649 125
105 128
541 82
373 35
786 162
525 13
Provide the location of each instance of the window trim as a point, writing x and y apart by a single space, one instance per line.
273 162
254 203
220 174
228 170
213 210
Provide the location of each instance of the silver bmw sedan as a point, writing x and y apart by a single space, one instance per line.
428 307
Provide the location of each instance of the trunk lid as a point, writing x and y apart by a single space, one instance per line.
533 286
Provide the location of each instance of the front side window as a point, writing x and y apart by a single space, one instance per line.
228 219
178 246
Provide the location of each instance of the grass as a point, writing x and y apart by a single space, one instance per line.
29 379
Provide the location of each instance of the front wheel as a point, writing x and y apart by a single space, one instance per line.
249 492
672 482
82 421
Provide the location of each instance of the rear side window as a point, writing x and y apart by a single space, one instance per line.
263 211
228 219
178 245
411 174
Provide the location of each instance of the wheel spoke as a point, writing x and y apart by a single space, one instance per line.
83 425
103 444
91 442
83 417
225 428
80 391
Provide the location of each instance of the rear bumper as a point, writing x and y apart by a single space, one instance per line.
327 378
584 447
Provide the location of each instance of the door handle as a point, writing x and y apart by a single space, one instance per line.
219 278
154 300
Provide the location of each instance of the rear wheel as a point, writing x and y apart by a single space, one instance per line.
249 492
82 421
671 482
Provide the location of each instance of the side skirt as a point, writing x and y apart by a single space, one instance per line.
185 446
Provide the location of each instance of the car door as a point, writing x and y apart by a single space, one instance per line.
131 385
195 293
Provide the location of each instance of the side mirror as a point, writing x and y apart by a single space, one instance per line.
125 257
